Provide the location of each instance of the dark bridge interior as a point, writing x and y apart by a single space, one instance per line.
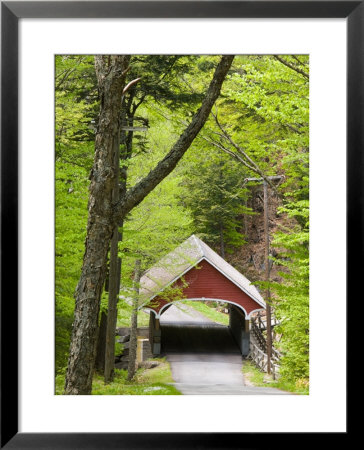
197 338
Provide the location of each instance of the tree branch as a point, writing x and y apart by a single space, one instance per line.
291 66
254 167
137 193
229 152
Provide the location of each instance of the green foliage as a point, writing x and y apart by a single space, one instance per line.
124 314
71 207
160 222
68 114
261 379
265 113
213 192
263 109
76 107
292 306
163 79
119 348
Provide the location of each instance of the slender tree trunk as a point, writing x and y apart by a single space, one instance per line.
104 216
101 335
134 323
267 273
115 262
101 342
110 73
112 309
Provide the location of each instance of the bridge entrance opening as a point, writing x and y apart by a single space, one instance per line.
192 326
194 272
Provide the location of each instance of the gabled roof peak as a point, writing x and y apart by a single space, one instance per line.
187 255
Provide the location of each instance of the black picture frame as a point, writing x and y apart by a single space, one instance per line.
11 12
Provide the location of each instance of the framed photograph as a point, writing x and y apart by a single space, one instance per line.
330 34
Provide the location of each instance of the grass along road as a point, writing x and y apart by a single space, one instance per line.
155 381
207 311
254 377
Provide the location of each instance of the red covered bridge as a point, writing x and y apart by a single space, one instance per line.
194 271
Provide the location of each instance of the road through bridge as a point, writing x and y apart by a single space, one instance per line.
204 357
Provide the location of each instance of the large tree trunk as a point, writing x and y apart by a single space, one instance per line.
114 282
110 73
103 217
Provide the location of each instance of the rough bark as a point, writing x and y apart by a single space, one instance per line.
103 215
114 282
110 71
134 323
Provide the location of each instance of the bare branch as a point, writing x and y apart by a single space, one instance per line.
291 66
130 84
229 152
255 168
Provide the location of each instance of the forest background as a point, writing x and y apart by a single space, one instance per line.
260 120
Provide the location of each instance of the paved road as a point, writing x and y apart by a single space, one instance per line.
203 356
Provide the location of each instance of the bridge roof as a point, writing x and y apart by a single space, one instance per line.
186 256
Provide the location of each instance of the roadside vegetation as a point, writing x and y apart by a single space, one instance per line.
258 378
155 381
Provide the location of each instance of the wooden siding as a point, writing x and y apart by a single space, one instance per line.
206 281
